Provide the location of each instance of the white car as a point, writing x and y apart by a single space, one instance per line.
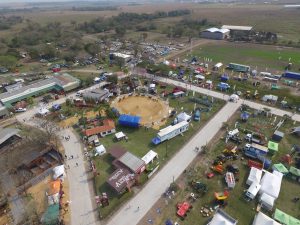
21 110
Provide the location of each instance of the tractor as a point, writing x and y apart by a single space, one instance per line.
199 187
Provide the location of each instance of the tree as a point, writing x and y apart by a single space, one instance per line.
8 61
120 31
49 51
91 48
113 79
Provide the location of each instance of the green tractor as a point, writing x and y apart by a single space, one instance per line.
199 187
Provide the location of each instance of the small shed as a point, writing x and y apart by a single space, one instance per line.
132 162
120 135
273 147
120 179
267 201
234 98
270 98
183 117
280 168
277 136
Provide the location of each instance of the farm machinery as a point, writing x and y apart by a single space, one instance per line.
199 187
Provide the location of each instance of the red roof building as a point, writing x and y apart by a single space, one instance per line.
107 128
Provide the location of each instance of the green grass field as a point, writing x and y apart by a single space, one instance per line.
139 143
237 207
257 56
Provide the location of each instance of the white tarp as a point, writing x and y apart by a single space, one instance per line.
234 98
271 183
254 176
149 156
120 135
183 117
58 171
253 190
100 150
152 86
262 219
267 201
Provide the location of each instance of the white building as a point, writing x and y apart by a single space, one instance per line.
215 33
169 132
262 219
254 176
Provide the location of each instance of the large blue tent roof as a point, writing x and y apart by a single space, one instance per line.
129 120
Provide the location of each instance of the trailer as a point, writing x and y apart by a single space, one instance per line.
238 67
291 75
230 180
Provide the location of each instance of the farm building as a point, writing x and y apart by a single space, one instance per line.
262 219
8 136
107 128
121 179
291 75
223 218
96 95
62 82
120 57
129 121
215 33
241 31
131 162
3 111
170 132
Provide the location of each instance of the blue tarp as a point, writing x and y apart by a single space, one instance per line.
129 121
56 107
245 116
169 222
223 86
224 77
156 140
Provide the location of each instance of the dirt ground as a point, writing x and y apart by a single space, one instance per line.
153 111
4 219
74 119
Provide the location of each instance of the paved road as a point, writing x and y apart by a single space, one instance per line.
82 208
215 94
174 168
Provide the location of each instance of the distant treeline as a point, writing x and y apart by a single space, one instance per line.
128 20
7 22
99 8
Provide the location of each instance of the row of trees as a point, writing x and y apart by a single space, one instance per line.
128 20
7 22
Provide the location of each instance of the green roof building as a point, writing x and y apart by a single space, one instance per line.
284 218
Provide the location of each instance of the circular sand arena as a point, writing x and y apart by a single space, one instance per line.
152 110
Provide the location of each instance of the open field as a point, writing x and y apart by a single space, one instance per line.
139 143
237 207
153 111
261 57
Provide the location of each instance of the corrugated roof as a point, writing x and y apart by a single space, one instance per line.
131 161
233 27
120 178
7 133
214 29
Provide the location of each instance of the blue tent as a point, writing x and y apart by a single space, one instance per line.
245 116
56 107
129 121
224 77
156 141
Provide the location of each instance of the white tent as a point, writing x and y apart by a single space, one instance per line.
254 176
267 201
100 150
149 157
166 62
222 218
271 183
58 171
42 111
120 135
152 86
262 219
183 117
234 98
253 190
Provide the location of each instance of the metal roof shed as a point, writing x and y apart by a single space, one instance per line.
277 136
132 162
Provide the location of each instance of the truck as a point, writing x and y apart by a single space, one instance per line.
256 154
251 138
197 114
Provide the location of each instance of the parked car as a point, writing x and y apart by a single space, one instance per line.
20 110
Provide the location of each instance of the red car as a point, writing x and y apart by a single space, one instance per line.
210 175
183 208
